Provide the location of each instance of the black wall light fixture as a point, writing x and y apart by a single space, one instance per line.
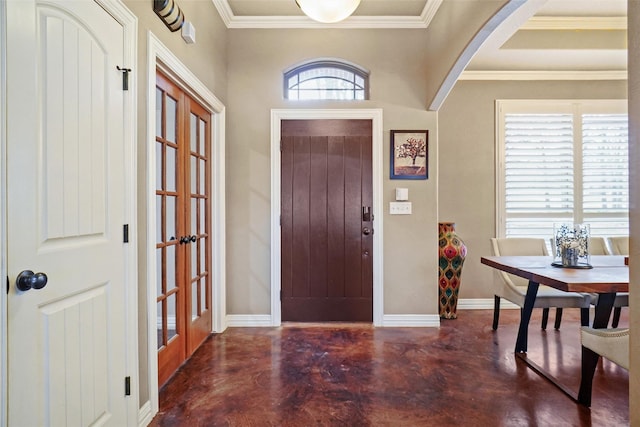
169 12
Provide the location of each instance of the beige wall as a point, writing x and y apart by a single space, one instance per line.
445 44
243 68
398 63
466 187
207 60
634 207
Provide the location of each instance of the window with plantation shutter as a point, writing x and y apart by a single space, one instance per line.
605 171
561 161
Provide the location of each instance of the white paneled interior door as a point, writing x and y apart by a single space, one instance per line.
67 204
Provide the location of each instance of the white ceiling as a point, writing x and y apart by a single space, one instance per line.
289 8
286 14
570 38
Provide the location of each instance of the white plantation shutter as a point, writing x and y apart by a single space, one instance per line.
605 164
558 164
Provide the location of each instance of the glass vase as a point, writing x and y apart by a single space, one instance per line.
571 245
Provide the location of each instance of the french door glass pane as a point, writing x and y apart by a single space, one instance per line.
159 112
203 219
171 267
194 215
193 134
194 175
171 168
203 253
159 219
194 300
172 318
171 119
203 295
159 269
201 137
171 217
194 259
160 325
159 166
202 188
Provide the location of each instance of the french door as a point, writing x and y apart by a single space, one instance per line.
183 212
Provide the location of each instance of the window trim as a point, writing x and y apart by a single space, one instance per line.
336 63
542 106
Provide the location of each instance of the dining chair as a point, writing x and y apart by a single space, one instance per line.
598 246
610 343
514 289
618 245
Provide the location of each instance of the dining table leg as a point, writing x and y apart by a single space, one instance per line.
589 357
525 317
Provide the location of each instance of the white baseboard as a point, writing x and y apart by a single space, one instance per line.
411 320
388 320
249 320
483 304
144 415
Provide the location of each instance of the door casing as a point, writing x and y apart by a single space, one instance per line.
3 215
375 115
160 57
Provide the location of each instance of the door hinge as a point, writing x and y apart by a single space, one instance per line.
8 286
127 386
280 294
125 77
280 145
125 233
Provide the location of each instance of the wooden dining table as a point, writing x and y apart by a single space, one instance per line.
607 275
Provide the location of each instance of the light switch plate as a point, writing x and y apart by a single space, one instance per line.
402 194
400 208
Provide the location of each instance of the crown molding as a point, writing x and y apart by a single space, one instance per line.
544 75
429 11
576 23
353 22
423 21
224 10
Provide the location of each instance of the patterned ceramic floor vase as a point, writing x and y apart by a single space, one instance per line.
451 254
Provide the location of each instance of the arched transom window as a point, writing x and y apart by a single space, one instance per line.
326 79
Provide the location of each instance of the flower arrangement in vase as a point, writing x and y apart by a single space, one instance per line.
572 245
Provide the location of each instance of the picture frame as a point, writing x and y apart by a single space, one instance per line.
409 157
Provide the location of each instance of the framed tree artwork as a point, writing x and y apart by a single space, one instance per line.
409 154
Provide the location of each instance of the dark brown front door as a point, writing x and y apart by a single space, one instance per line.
327 220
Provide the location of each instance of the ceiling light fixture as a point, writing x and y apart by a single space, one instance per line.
328 11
